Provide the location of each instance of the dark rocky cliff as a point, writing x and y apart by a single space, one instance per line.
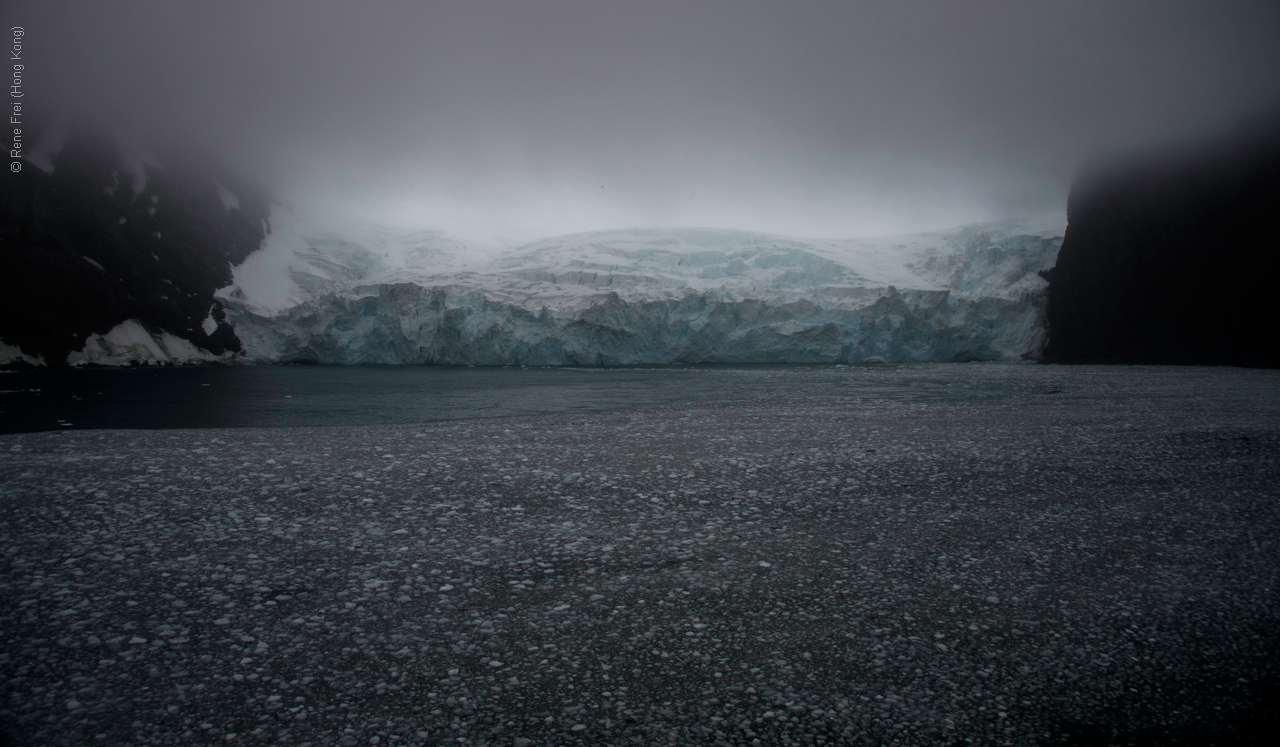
83 251
1172 256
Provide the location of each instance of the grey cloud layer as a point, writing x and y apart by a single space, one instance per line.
524 118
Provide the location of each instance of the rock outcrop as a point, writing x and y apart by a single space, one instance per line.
98 238
1171 256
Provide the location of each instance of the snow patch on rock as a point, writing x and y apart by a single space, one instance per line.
229 199
42 155
129 342
13 354
209 325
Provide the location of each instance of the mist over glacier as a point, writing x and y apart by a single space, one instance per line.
505 123
360 294
137 261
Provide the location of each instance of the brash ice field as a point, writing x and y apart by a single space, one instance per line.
1093 561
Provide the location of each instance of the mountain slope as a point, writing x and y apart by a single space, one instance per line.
103 239
1171 256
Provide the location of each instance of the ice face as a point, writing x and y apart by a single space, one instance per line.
649 296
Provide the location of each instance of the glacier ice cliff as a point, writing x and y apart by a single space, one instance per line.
644 296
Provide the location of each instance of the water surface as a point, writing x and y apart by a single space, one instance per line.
275 396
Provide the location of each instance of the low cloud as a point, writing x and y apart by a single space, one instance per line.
513 119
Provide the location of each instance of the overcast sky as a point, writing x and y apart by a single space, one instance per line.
522 118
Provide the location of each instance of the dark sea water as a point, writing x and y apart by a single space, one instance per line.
279 396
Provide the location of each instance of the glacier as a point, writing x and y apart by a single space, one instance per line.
363 294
